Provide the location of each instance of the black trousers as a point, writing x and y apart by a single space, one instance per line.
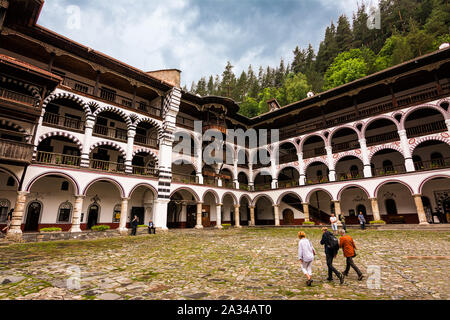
351 263
133 231
363 226
151 230
331 268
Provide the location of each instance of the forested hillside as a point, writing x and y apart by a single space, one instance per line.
349 51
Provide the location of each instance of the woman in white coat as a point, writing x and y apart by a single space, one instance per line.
306 255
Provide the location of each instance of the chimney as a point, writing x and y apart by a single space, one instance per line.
273 105
171 76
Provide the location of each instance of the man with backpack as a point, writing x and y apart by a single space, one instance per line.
331 244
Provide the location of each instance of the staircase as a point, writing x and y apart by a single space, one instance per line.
318 216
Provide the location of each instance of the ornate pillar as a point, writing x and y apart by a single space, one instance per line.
130 145
219 216
301 165
365 156
420 209
375 209
199 224
332 175
88 128
235 174
252 216
77 209
123 216
251 184
337 210
15 231
306 211
409 164
237 216
276 209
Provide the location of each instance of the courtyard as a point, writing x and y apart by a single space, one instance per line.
248 263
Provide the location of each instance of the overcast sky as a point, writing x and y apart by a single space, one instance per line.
196 36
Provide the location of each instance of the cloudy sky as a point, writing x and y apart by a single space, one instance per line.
196 36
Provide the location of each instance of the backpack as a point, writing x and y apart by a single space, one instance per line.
333 243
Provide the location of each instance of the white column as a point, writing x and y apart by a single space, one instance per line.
237 216
365 156
160 214
409 164
235 174
250 177
130 145
420 209
332 175
276 209
199 161
219 216
88 128
77 209
15 231
219 182
301 166
123 216
447 122
199 224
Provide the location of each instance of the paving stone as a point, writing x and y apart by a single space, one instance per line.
109 296
11 279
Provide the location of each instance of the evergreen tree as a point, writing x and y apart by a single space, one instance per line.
279 75
328 49
201 87
210 86
343 34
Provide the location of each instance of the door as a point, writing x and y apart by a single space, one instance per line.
206 218
288 217
92 216
33 215
191 216
140 213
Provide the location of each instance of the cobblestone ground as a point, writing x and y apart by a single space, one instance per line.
227 264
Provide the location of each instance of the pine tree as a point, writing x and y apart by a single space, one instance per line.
343 34
299 60
210 86
328 49
228 81
201 87
279 75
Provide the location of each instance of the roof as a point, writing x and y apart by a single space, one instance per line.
28 67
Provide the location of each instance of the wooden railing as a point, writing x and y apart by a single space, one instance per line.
13 150
262 187
17 97
186 179
107 166
349 176
433 164
145 141
315 152
292 157
58 159
344 146
244 186
60 121
317 180
185 122
288 184
115 133
143 171
382 138
388 170
427 128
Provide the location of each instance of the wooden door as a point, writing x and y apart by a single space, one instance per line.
288 217
33 215
206 218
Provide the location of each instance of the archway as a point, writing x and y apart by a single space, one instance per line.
354 199
317 172
349 168
387 162
396 204
244 209
227 178
9 186
344 139
264 211
424 121
183 172
182 209
431 154
313 146
263 181
288 177
107 157
65 113
146 135
141 204
320 206
436 190
59 150
243 181
287 152
144 163
291 209
381 131
111 125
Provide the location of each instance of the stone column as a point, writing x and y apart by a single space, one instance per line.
199 160
337 210
332 175
375 209
276 209
251 184
306 211
123 216
235 174
160 214
420 209
130 145
447 122
252 216
365 156
88 128
219 216
199 216
409 163
237 216
301 165
77 209
15 231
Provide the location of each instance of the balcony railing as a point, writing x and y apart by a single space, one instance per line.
344 146
119 134
382 138
182 178
13 150
145 141
17 97
317 180
288 184
425 129
107 166
433 164
58 159
388 170
209 181
349 176
65 122
292 157
312 153
262 187
244 186
143 171
189 123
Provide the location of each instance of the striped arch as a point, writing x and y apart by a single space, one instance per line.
55 173
255 151
191 191
352 153
235 199
422 184
314 160
108 143
259 196
285 167
280 198
246 196
339 195
424 106
305 138
185 161
332 133
114 182
34 91
60 134
392 146
308 197
414 142
117 111
214 193
67 96
372 120
150 121
146 185
377 189
17 127
290 141
146 150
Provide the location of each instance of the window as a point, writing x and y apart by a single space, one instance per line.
388 167
116 213
4 207
107 94
354 171
391 206
437 160
65 186
65 209
11 182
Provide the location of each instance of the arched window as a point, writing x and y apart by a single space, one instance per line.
65 186
11 182
4 208
418 165
64 212
361 208
388 167
437 160
116 213
391 206
354 171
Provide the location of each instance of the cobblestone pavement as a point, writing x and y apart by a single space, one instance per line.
258 263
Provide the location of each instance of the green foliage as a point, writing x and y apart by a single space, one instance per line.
100 228
50 230
377 222
308 223
143 226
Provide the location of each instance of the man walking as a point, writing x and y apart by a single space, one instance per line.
349 248
342 218
134 225
331 245
362 220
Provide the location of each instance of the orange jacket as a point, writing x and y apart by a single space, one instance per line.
348 246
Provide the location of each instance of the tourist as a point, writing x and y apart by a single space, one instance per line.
342 218
151 228
331 245
8 221
349 248
306 255
362 220
134 225
334 225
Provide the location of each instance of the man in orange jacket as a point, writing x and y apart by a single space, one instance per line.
348 247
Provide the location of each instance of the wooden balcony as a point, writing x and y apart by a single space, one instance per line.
17 97
142 171
114 133
186 179
52 119
433 164
426 129
382 138
107 166
145 141
388 170
16 151
58 159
